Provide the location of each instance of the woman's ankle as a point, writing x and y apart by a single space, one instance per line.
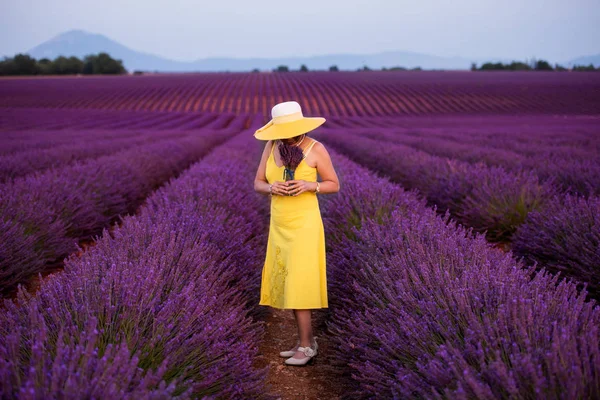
308 344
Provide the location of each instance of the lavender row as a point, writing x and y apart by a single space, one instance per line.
521 145
44 140
564 237
423 308
494 201
15 123
44 215
525 134
22 120
489 199
161 308
573 169
376 94
27 162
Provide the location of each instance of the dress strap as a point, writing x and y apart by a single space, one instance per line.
309 148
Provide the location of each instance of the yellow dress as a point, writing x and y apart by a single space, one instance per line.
294 274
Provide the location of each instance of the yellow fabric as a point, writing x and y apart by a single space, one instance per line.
286 130
294 272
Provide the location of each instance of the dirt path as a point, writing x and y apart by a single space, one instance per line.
317 381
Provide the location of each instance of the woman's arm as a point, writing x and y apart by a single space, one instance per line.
261 185
260 181
329 179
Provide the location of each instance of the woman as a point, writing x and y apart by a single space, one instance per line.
294 274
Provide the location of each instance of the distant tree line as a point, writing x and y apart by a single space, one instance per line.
533 65
401 69
23 64
334 68
285 68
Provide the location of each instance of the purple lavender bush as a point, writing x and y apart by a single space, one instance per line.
572 166
500 201
443 182
574 176
61 206
17 142
169 297
27 162
423 308
353 207
489 199
57 367
564 237
291 157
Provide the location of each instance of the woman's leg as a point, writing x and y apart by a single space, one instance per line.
304 321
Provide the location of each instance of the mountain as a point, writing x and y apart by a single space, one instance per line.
80 43
343 61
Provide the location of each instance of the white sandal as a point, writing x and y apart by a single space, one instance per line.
309 352
290 353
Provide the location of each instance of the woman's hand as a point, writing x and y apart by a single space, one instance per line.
279 188
299 186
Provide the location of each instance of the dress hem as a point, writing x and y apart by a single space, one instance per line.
294 308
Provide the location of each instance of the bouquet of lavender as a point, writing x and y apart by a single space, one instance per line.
291 156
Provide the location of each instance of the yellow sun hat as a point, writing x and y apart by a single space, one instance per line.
286 122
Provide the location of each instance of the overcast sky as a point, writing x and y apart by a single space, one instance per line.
190 29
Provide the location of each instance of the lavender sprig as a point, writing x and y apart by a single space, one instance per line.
291 156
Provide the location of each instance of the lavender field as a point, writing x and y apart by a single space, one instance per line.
463 250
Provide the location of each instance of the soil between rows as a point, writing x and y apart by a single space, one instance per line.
321 380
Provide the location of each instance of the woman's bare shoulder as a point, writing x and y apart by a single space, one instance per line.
269 144
318 147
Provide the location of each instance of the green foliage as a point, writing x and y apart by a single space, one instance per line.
23 64
491 66
394 69
255 70
45 66
281 68
589 67
558 67
519 66
513 66
364 68
102 64
66 66
542 65
334 68
303 68
533 65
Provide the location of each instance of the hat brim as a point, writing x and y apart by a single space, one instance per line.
271 131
